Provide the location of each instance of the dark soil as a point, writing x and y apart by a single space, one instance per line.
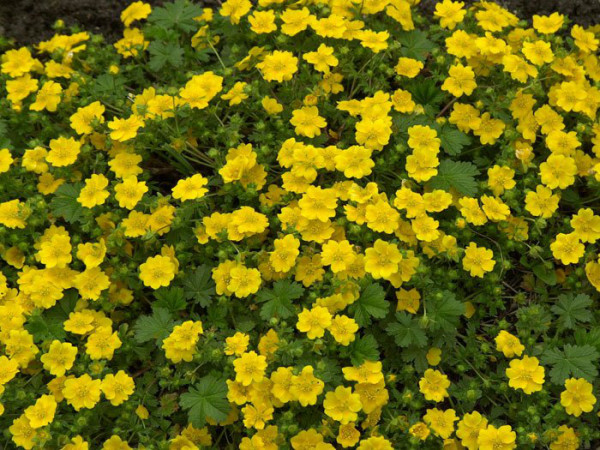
31 21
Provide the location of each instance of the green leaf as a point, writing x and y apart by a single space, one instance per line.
172 299
407 331
415 44
426 92
43 328
164 53
459 175
207 399
547 275
157 326
572 309
65 204
200 286
445 312
278 301
453 140
363 349
179 14
371 303
572 361
108 85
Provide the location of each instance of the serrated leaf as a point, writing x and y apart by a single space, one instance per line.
179 14
426 92
172 299
459 175
371 303
453 140
572 361
65 204
207 399
278 301
415 44
43 328
363 349
108 85
157 326
407 331
200 286
445 312
164 53
572 309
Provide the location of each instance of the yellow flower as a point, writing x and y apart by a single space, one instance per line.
408 67
102 343
558 171
548 24
278 66
190 188
59 358
42 413
271 105
441 422
368 372
305 387
244 281
314 321
419 430
469 428
382 260
135 11
478 260
541 203
348 435
82 392
63 151
342 405
157 271
433 385
509 344
577 397
201 89
180 345
94 192
249 368
84 119
343 329
117 388
125 129
262 22
586 225
526 374
461 81
492 438
408 300
22 432
295 20
450 13
307 121
237 344
235 9
323 59
538 52
567 248
48 97
91 282
130 191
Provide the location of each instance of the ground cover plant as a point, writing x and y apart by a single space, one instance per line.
307 225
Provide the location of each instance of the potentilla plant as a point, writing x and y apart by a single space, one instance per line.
312 225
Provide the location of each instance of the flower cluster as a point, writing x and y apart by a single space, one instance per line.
309 225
